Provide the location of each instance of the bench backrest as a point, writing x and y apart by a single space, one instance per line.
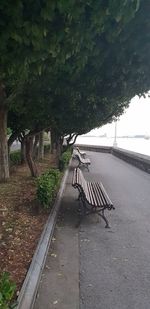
79 181
82 153
81 159
77 148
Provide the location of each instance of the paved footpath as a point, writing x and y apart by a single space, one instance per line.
97 268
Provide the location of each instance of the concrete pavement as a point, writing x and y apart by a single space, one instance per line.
59 286
97 268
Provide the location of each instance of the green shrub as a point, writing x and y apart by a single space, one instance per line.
9 131
64 160
54 172
47 185
15 157
7 290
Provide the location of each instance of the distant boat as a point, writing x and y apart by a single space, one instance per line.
103 135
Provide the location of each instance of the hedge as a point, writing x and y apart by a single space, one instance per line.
64 159
47 185
15 157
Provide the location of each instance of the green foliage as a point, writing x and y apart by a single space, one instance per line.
9 131
7 290
47 185
106 65
64 160
15 157
96 51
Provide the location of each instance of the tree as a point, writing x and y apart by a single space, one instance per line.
60 106
102 88
55 33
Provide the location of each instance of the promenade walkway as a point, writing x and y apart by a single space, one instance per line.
96 268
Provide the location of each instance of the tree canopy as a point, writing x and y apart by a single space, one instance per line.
70 65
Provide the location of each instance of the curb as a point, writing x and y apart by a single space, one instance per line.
29 289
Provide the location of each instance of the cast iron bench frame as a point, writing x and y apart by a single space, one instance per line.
92 195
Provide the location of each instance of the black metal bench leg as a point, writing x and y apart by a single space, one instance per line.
79 197
104 218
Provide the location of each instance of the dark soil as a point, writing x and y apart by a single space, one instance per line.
21 220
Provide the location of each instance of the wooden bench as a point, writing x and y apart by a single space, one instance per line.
82 153
82 161
92 195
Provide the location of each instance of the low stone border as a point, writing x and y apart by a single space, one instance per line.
29 289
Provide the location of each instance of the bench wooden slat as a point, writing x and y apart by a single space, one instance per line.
101 194
98 195
86 191
90 199
92 193
106 195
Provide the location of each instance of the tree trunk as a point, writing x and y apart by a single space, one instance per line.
30 161
53 142
4 166
35 146
23 157
41 146
49 133
58 149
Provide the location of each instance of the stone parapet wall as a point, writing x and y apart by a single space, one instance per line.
95 148
139 160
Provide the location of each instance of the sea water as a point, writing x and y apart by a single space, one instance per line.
139 145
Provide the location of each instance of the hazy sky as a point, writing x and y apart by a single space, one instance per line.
135 120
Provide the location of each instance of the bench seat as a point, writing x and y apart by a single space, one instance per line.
92 194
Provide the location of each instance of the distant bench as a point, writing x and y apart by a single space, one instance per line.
82 153
81 161
93 196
